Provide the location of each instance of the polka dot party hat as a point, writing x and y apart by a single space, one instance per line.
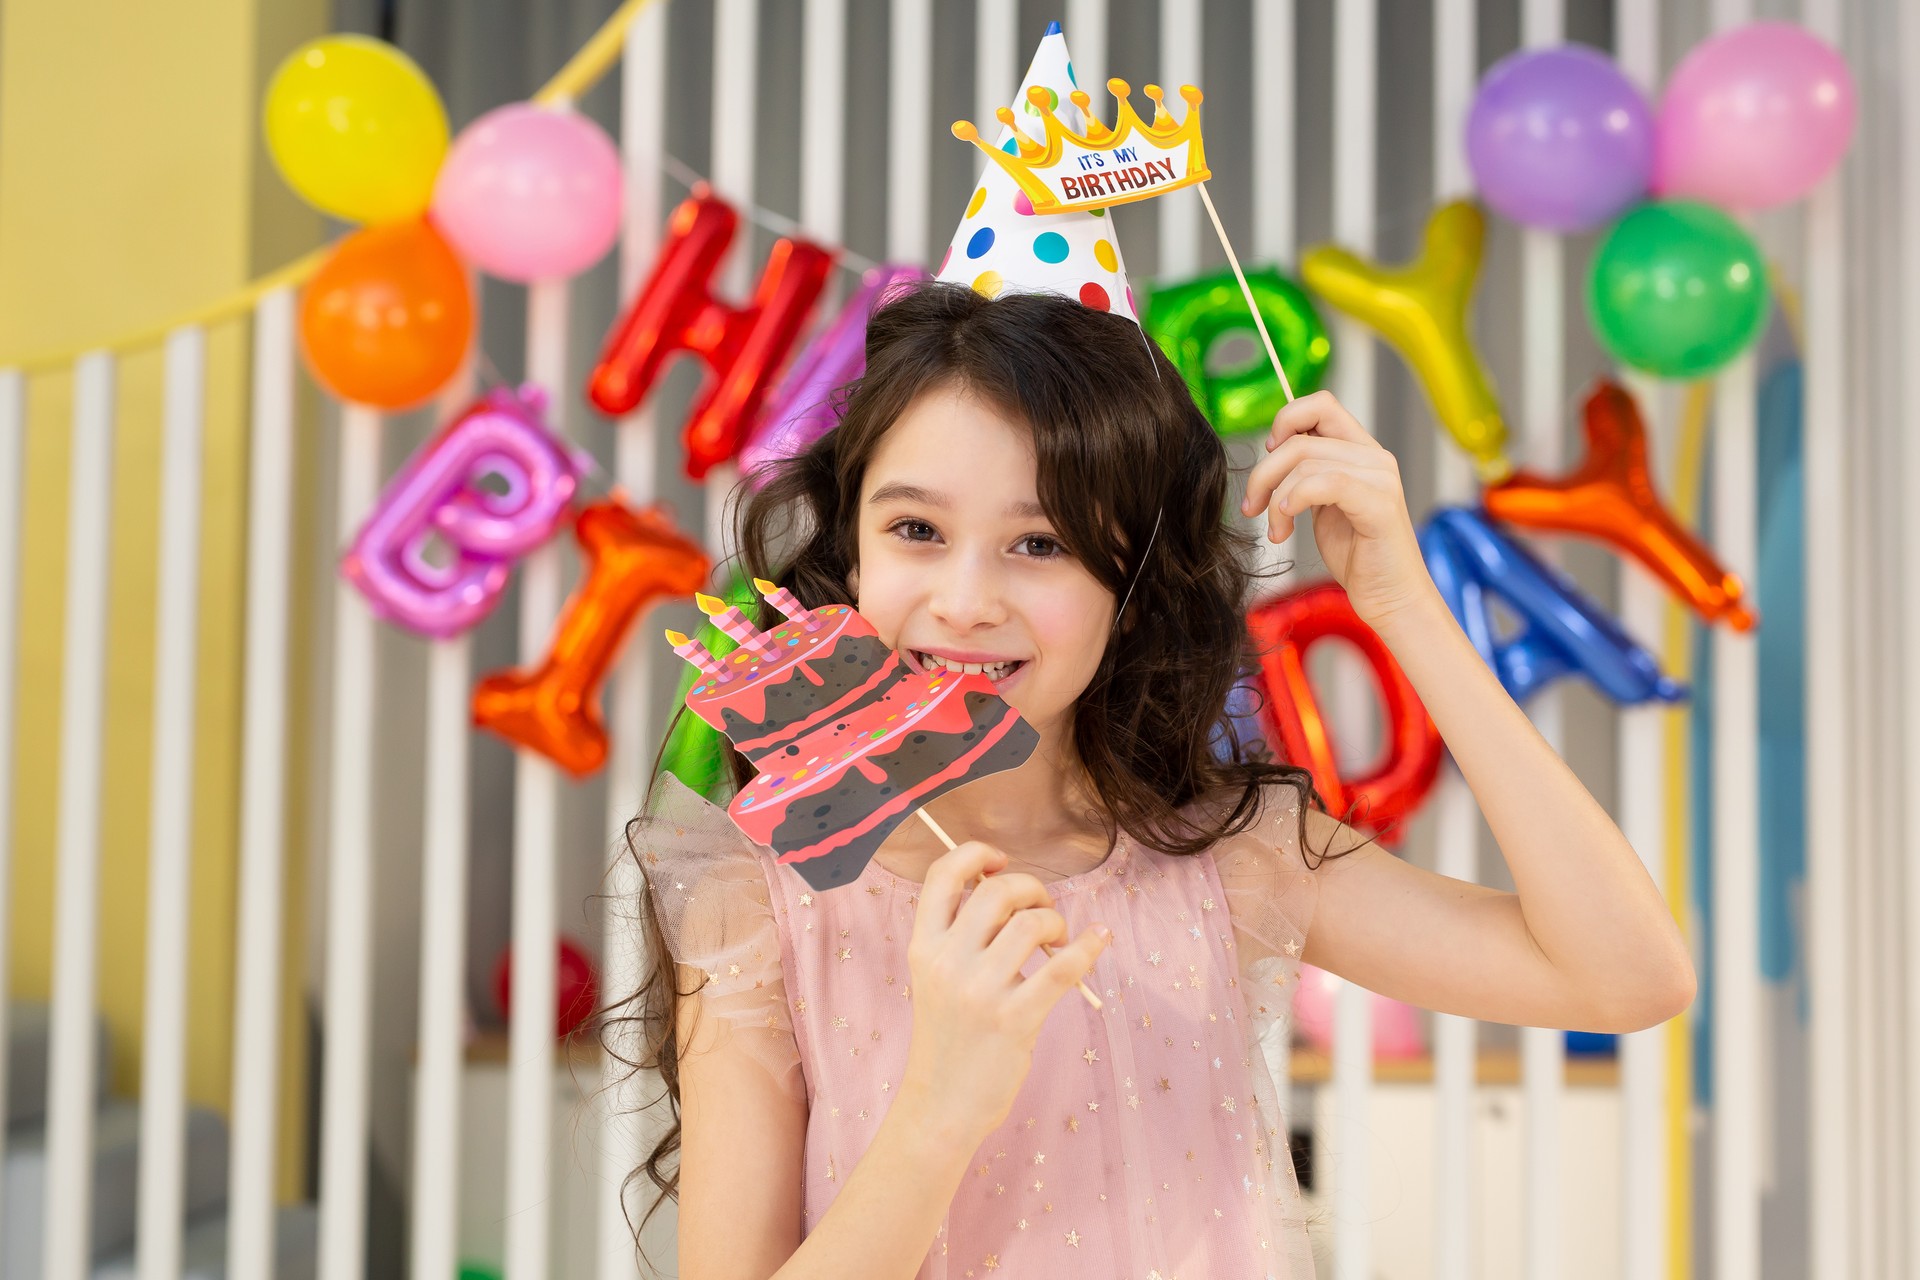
1003 246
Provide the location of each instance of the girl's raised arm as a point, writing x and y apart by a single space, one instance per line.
1586 942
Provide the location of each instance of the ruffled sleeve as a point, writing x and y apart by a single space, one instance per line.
713 895
1271 895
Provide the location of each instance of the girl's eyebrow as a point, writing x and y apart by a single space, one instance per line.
900 491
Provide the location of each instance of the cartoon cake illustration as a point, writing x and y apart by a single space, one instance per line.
849 741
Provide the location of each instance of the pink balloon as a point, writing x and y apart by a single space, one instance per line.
440 495
530 194
1753 118
803 411
1396 1026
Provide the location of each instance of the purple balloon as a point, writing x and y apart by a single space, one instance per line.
802 411
441 496
1560 139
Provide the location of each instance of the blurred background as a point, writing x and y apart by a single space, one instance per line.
262 873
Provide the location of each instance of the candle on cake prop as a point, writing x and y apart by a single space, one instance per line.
848 741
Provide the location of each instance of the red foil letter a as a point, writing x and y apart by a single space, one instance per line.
743 346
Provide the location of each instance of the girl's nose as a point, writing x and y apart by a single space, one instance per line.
967 594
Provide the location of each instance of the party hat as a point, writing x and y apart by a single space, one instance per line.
1003 246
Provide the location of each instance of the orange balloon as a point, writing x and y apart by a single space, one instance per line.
386 319
634 558
1610 496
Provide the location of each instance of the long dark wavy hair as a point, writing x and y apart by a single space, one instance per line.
1119 445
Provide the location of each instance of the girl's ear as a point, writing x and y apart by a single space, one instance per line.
853 585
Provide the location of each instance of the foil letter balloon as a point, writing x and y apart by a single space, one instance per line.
1189 320
1610 496
441 497
1283 630
633 559
1564 632
744 346
1421 309
803 411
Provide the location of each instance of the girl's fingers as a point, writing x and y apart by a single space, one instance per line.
1320 413
1271 471
947 880
1063 969
1026 930
984 915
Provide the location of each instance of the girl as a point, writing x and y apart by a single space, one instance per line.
885 1080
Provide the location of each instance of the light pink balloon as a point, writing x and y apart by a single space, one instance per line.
1753 118
530 194
1396 1026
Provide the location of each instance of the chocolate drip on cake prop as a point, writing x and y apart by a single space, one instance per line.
848 741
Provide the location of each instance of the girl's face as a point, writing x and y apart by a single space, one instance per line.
959 564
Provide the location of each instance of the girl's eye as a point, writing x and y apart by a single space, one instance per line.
1042 547
912 530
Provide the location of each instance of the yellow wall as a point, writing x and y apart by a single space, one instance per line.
133 186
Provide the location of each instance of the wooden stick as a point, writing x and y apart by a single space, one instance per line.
947 840
1246 291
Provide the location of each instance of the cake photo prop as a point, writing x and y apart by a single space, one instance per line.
848 741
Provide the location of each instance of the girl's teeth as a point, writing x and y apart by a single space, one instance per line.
992 670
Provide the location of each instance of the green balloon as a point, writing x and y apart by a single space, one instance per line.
1189 320
693 752
1677 289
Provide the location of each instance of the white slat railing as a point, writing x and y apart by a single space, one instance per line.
70 1069
1355 146
1542 433
533 1006
163 1052
434 1229
263 737
1456 819
345 1064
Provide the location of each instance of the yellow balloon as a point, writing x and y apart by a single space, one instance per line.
356 128
1421 309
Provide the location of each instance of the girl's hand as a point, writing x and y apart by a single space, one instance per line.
1318 455
975 1018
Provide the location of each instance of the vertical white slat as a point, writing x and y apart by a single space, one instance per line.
1909 236
1737 1045
1180 212
347 1018
13 458
1457 819
71 1065
996 59
533 1004
1355 116
434 1228
257 922
1086 32
1832 833
1272 55
163 1049
1643 765
633 724
1542 384
736 52
1274 238
910 134
823 142
1737 1111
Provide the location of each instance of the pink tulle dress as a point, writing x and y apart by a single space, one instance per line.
1146 1142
